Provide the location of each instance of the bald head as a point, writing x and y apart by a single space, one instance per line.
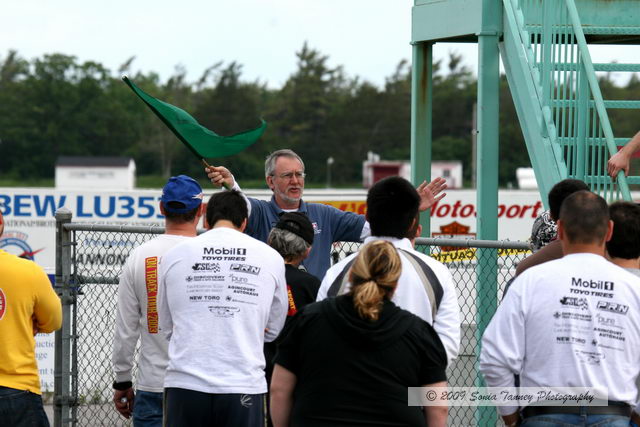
584 218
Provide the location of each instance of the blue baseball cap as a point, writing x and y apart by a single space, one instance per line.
184 190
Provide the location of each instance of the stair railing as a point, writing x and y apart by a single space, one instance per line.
576 121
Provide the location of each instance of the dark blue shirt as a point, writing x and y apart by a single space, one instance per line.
329 225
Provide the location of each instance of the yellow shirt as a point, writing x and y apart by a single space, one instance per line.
27 301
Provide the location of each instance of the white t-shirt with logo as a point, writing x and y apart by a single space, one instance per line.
222 295
571 322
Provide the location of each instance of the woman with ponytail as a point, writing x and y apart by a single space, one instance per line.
349 360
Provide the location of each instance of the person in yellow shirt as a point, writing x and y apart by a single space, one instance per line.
28 305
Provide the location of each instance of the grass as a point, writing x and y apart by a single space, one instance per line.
35 182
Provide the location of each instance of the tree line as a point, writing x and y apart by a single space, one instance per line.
55 105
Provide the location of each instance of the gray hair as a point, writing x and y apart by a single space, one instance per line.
289 245
270 162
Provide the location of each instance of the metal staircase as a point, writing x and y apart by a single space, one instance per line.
556 93
543 46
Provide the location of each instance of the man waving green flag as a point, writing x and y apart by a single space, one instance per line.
201 141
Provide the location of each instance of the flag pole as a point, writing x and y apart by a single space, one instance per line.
207 165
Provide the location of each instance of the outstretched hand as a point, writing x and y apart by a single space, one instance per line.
219 176
431 192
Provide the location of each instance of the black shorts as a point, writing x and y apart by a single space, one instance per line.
188 408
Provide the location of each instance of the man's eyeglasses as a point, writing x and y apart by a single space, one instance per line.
290 175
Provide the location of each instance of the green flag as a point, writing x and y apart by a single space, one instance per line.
200 140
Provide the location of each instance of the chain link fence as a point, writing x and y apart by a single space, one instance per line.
88 264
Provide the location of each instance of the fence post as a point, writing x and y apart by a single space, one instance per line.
62 371
487 160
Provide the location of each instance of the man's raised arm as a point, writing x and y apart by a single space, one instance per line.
219 176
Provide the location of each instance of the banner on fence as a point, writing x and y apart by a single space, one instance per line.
468 254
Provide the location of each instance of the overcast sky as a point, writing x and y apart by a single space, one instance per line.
367 37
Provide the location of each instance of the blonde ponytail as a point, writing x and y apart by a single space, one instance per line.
374 277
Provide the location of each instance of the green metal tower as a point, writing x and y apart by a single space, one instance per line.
544 47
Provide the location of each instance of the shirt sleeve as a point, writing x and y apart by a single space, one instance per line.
255 224
503 343
279 306
347 226
366 231
166 321
236 187
447 319
127 325
288 354
434 357
48 308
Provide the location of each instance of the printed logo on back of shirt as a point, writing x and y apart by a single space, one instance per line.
570 340
244 290
316 229
224 251
572 327
151 283
205 278
604 285
575 302
613 307
223 311
245 268
589 357
240 279
204 298
230 298
292 304
206 266
607 321
224 254
572 315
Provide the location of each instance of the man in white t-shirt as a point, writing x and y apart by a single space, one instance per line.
137 312
571 322
222 295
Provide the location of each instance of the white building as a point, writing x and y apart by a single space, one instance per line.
105 173
526 179
373 170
